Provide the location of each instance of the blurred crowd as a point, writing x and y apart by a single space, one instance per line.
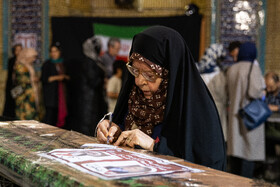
47 95
225 71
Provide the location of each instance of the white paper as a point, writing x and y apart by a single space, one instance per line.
109 162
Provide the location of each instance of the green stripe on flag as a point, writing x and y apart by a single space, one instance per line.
117 31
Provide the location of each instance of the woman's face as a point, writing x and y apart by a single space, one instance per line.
271 85
147 87
54 53
31 56
18 48
234 54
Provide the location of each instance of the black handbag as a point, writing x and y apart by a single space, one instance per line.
256 112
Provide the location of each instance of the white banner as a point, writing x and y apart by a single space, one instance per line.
28 40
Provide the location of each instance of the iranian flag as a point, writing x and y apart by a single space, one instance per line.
124 33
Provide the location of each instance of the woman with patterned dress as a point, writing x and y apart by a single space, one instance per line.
27 102
9 106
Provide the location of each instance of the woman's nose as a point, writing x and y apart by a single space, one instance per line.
142 79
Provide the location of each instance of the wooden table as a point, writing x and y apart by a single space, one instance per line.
19 162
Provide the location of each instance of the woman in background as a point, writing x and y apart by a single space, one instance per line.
9 107
27 100
244 146
92 104
54 93
114 84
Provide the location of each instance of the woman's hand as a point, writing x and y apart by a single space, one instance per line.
273 108
103 131
58 78
66 77
135 137
35 79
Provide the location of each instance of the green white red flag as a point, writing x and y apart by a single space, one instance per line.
124 33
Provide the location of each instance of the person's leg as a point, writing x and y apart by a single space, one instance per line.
247 168
51 116
234 165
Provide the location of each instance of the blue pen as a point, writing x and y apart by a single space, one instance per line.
110 124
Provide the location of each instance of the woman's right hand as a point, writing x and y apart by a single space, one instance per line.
103 131
56 78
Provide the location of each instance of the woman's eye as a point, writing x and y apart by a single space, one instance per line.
150 75
136 71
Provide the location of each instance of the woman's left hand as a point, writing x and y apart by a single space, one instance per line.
135 137
35 79
66 77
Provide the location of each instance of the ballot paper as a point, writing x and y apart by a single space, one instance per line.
110 162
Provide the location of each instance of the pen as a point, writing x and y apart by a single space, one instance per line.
110 124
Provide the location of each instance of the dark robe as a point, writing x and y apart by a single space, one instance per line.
9 107
91 102
50 92
49 88
191 127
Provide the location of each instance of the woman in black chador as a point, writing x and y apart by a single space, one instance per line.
9 107
92 105
164 104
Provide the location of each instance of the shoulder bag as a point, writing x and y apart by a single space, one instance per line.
256 112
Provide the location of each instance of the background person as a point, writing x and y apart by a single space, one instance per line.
9 106
91 102
232 55
272 91
114 84
108 58
245 147
164 104
218 60
27 103
272 128
209 62
54 91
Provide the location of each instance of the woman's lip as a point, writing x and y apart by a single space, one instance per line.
148 95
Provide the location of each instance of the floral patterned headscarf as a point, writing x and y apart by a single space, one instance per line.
144 114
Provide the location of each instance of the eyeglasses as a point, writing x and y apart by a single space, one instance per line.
148 75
